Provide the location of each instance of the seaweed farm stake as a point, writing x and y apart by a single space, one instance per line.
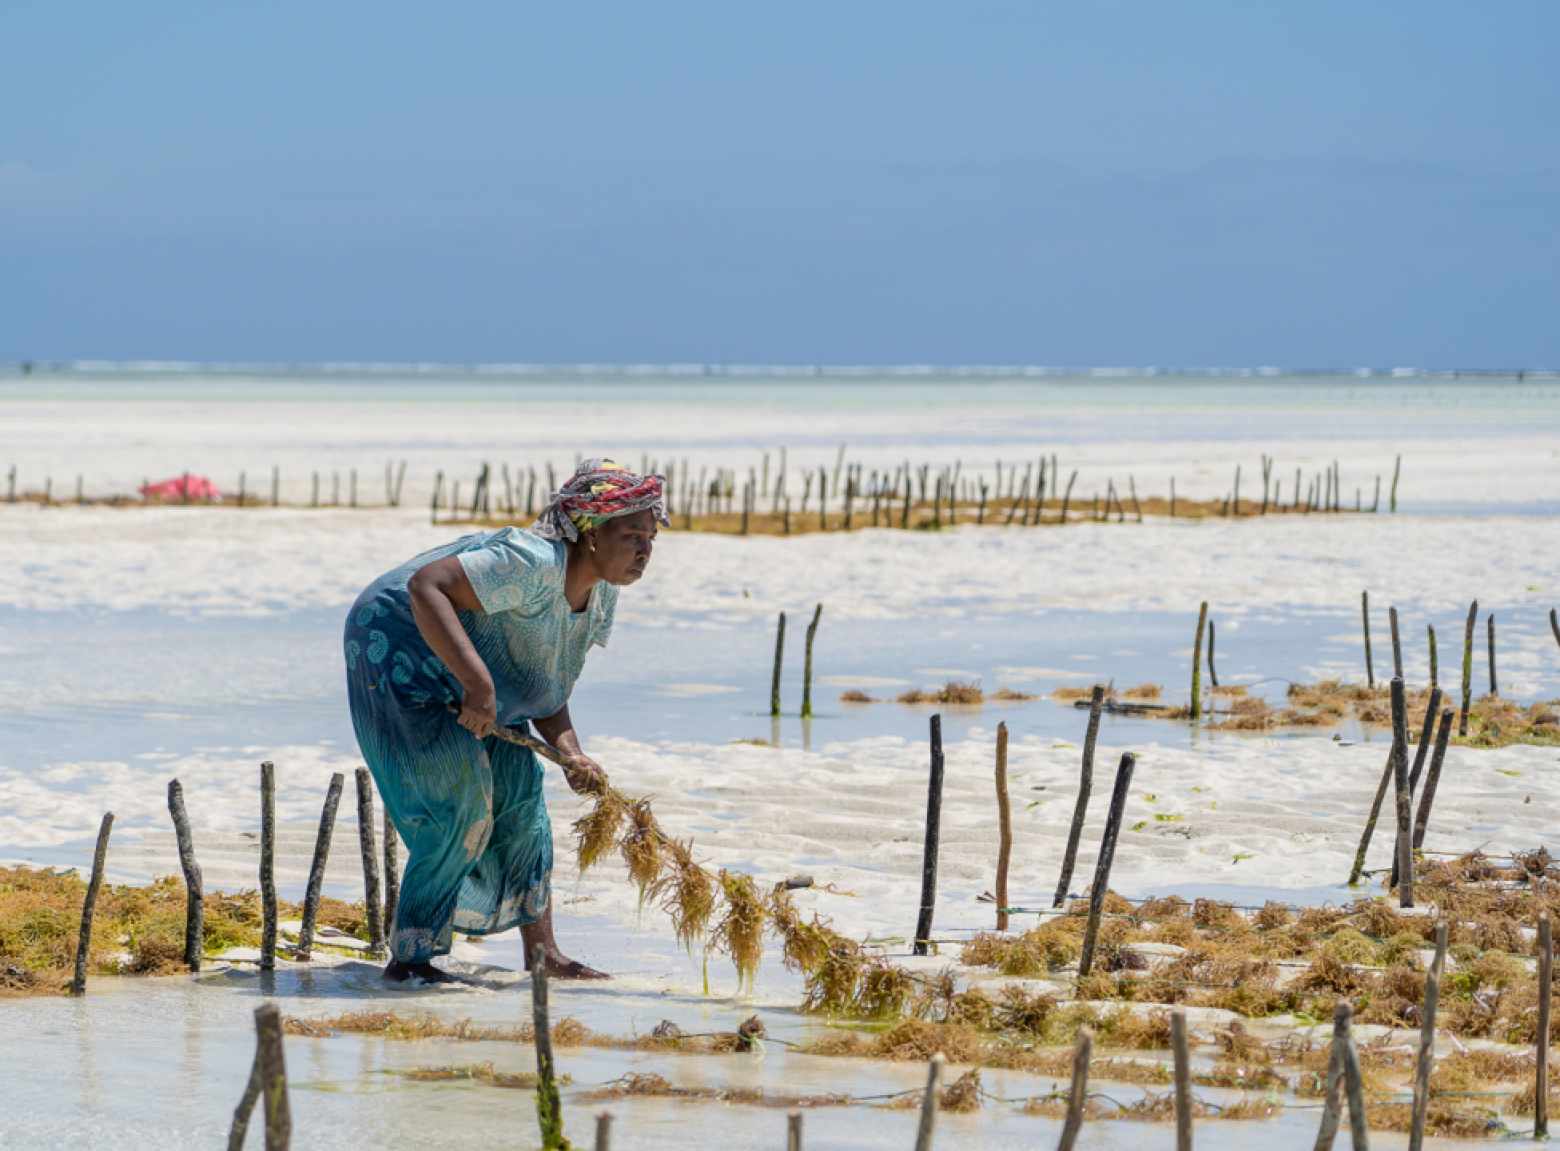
1370 671
78 985
1172 497
1202 622
1237 489
793 1131
1085 784
1426 735
1426 1061
1494 687
1354 1083
1554 623
1118 811
1183 1080
1332 1098
1079 1090
1213 675
923 1134
1004 828
1434 669
604 1132
1433 778
549 1108
1067 496
268 1076
268 866
1397 644
376 923
311 899
774 689
1375 813
1403 868
1546 977
812 630
392 875
194 908
923 926
1467 681
1396 469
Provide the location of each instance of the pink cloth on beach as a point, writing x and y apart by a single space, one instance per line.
183 487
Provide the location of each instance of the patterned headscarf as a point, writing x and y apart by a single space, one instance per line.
599 490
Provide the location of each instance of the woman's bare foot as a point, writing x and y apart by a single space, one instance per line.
398 972
559 965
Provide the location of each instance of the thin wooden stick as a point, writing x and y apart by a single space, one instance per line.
1467 678
1434 668
604 1132
311 898
1403 868
1332 1101
271 1067
194 903
1426 737
1397 468
1213 674
1397 644
1554 623
78 985
1546 977
1370 670
923 927
366 845
549 1107
392 874
245 1108
1202 622
1079 1090
1354 1083
268 866
1118 811
1426 1062
812 632
1370 823
1004 827
1494 687
928 1124
1443 736
1067 496
1085 784
774 688
1183 1079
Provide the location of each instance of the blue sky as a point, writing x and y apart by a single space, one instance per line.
1101 183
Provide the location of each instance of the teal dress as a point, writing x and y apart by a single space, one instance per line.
479 843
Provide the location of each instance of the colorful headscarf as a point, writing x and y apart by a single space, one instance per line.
599 490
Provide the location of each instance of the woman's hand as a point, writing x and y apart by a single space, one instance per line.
590 779
479 710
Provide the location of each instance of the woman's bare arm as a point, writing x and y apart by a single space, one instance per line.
558 730
437 592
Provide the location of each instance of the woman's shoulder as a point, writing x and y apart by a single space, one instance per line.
511 566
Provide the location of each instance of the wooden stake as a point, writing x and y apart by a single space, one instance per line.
268 866
1213 674
1397 644
1079 1091
1370 670
1172 497
311 898
365 804
1354 1083
774 689
1434 667
1426 1061
1332 1101
1426 737
1433 778
604 1131
1375 813
1554 623
923 926
1237 489
1067 496
793 1131
1202 622
1004 828
1118 811
1397 469
194 903
1494 687
1467 678
392 874
812 631
923 1134
549 1107
1403 868
271 1065
1085 784
1546 978
78 985
1183 1079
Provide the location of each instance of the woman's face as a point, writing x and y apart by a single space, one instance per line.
623 547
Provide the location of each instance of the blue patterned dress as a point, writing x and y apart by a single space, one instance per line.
479 843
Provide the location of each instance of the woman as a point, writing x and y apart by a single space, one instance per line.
499 624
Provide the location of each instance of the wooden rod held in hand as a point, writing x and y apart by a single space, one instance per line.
923 926
1004 827
1078 1092
78 985
1426 1060
1118 811
1085 785
370 853
311 898
1183 1079
268 866
928 1124
194 902
1546 977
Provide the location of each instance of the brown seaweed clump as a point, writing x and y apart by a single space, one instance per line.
740 932
596 832
641 846
686 892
